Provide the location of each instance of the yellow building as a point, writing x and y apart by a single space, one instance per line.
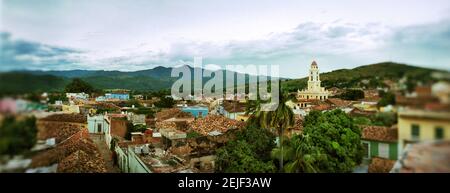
420 125
71 109
314 91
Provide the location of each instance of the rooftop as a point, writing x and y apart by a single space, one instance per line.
380 133
425 157
75 118
217 123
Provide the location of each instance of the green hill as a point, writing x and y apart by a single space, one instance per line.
159 78
374 74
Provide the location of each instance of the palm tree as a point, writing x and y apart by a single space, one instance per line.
300 156
280 119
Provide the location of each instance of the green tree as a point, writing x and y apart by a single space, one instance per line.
17 136
249 151
384 119
134 128
57 97
77 86
386 99
352 94
280 119
330 142
165 102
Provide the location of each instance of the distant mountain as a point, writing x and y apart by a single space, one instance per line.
159 78
145 80
373 74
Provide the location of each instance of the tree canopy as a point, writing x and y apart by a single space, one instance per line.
17 136
77 86
249 152
330 142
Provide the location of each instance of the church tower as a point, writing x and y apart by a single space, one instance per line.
314 90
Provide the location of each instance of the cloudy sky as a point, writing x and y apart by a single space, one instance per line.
136 35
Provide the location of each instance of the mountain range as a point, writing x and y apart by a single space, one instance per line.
17 82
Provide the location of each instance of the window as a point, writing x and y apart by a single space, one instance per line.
415 132
439 133
366 147
383 150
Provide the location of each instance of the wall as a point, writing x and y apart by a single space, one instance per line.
135 165
374 149
427 129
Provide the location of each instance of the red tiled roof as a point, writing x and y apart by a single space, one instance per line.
233 106
380 133
380 165
431 157
215 122
339 102
75 118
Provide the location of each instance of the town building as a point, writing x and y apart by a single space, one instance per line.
424 157
314 90
117 96
232 109
379 141
77 96
421 125
196 111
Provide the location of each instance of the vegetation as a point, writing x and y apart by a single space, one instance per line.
57 97
352 94
193 134
17 136
148 112
77 86
374 73
165 102
386 99
384 119
330 142
280 119
248 153
134 128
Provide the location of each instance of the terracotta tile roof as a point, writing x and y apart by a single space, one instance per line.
75 118
234 106
380 133
339 102
380 165
81 162
58 130
172 113
426 157
215 123
79 141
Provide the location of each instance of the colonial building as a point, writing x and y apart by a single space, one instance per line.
314 90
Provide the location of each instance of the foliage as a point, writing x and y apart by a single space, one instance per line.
384 119
193 134
330 142
165 102
134 102
57 97
248 152
281 118
148 112
134 128
352 94
77 86
386 99
108 110
237 157
361 120
17 136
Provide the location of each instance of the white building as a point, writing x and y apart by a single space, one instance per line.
314 90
